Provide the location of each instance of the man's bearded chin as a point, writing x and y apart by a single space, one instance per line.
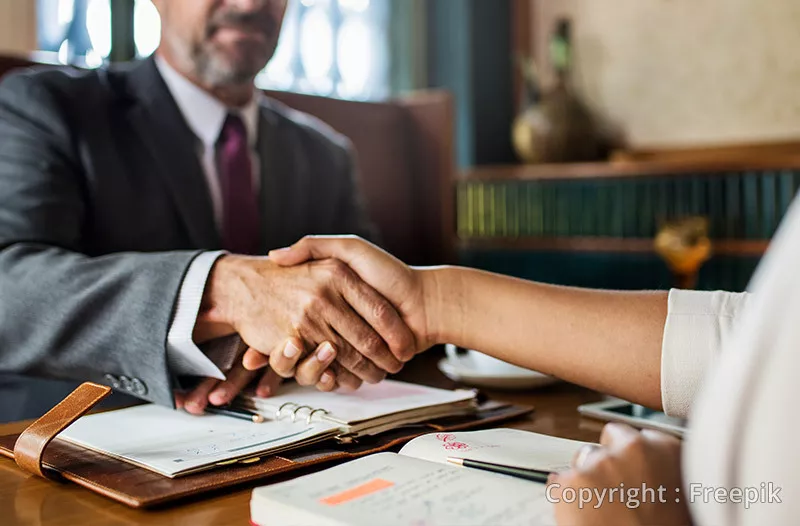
214 68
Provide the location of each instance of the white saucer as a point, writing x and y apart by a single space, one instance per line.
521 379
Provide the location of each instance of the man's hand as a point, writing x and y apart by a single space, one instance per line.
315 303
406 288
218 392
630 458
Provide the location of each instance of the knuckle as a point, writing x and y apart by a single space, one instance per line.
372 345
383 312
357 362
635 446
309 306
338 270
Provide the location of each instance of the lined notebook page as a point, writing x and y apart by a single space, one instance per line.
501 446
390 489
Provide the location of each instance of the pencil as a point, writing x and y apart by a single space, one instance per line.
535 475
241 414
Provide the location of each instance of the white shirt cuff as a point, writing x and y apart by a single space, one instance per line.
698 325
183 355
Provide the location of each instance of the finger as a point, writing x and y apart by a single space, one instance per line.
284 359
384 326
618 435
180 399
312 247
660 437
197 399
356 364
237 378
345 380
310 371
363 338
581 456
254 360
268 385
327 381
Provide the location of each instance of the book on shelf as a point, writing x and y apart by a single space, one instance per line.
739 205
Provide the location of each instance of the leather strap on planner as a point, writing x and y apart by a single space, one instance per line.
30 445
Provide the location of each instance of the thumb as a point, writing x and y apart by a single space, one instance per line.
290 256
343 248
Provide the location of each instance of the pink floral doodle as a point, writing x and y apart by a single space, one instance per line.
456 446
449 442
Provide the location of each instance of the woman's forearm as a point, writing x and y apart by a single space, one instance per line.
606 340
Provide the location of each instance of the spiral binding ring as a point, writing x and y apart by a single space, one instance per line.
311 414
280 409
298 408
280 413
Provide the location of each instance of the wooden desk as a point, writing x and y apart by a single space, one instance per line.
28 500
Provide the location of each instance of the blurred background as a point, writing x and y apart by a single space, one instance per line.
603 143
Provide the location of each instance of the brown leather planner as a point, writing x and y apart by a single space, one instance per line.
38 450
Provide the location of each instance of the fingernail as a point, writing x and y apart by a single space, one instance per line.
290 351
327 378
264 392
218 397
326 353
193 406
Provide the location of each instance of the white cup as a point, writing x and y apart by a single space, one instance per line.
482 363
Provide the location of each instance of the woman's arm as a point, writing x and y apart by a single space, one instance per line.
608 341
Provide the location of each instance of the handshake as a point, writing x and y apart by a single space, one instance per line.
333 312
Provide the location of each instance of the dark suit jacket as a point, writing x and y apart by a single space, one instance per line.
104 205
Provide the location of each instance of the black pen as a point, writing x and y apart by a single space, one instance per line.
535 475
241 414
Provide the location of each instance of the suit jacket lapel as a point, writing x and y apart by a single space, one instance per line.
172 145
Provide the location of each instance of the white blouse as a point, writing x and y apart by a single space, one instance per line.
732 362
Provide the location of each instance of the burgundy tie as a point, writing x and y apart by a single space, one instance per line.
240 216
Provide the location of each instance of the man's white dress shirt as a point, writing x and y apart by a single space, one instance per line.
205 116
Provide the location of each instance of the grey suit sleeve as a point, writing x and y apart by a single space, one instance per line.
64 314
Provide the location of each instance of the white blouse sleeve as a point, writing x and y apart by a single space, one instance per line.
698 326
744 429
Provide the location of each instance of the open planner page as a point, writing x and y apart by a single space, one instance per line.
390 489
173 442
501 446
368 402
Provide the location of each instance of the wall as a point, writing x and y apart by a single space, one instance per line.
684 72
469 55
17 26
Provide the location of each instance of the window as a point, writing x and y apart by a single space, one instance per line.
79 31
336 48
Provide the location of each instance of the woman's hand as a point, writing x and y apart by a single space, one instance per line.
626 462
401 285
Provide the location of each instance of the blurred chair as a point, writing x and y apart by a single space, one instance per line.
406 162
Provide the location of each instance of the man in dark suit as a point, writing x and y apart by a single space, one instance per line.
133 202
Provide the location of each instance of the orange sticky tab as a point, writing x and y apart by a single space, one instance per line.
368 488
